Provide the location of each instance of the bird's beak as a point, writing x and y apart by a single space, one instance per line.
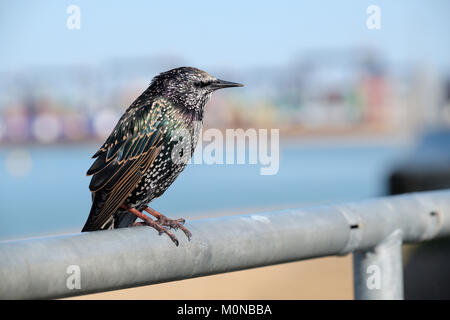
220 84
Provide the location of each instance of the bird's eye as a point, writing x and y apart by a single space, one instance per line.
202 84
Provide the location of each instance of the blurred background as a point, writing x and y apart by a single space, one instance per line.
361 112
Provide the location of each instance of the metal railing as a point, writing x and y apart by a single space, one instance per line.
374 230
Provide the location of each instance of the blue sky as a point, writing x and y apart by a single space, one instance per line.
218 33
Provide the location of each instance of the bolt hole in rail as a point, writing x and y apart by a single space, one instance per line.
373 230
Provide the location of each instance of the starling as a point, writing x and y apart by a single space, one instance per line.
136 163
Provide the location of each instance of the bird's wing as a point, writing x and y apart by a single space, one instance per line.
123 160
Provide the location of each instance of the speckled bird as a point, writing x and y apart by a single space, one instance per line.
147 150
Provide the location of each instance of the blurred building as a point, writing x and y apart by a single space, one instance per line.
325 92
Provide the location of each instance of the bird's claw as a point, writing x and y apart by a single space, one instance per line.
174 224
158 225
161 230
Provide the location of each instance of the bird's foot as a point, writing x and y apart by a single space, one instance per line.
170 223
154 224
151 223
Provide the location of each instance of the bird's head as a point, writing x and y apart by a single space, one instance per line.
188 87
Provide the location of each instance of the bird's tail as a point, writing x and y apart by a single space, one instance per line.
92 222
120 219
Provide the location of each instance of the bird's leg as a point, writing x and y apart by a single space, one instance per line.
149 222
163 220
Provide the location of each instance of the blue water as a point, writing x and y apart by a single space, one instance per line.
54 196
